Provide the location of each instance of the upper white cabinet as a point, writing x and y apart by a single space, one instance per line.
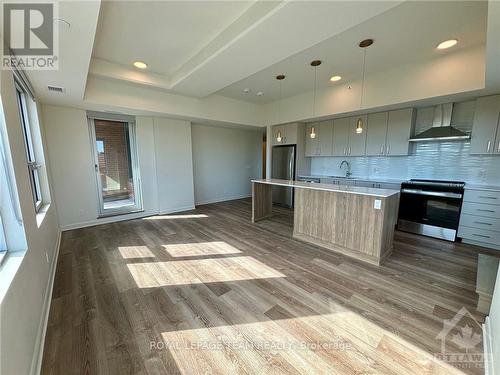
384 133
388 133
322 143
312 144
346 142
400 124
485 137
340 136
357 142
285 134
326 138
376 133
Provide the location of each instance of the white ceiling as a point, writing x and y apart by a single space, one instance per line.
196 49
75 50
164 34
405 34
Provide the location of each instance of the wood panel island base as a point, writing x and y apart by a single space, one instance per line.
355 221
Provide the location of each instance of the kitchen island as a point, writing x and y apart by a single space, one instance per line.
355 221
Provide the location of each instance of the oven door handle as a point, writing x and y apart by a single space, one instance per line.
432 193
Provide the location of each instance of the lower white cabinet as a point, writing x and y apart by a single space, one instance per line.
378 185
480 218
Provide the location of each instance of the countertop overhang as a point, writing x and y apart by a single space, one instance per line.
382 193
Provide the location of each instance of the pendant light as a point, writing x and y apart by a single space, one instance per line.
280 79
314 64
363 44
313 133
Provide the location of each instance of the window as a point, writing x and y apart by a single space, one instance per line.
3 242
115 163
12 236
33 166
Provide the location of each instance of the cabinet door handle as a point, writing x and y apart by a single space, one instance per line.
349 150
344 150
480 235
482 210
388 149
482 223
498 148
382 150
485 197
489 146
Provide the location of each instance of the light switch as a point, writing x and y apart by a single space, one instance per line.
378 204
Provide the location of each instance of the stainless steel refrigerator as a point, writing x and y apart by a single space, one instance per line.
283 167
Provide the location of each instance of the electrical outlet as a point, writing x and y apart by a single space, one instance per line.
378 204
482 173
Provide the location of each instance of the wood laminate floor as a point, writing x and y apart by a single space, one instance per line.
209 292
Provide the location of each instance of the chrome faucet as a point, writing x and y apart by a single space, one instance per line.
348 170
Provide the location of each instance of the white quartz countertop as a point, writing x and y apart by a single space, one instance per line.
482 187
384 193
356 178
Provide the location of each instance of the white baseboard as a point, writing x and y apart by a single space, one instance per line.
223 199
489 363
107 220
176 209
36 364
114 219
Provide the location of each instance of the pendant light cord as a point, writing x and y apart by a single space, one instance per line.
279 104
314 94
363 79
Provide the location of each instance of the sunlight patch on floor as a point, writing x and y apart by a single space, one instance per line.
129 252
173 217
185 272
325 343
200 248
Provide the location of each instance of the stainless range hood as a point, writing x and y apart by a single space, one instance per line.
441 129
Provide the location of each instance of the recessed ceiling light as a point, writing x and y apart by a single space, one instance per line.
246 90
335 78
140 64
260 93
447 44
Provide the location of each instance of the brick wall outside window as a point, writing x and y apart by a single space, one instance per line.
116 178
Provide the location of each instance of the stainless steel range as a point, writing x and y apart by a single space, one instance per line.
431 207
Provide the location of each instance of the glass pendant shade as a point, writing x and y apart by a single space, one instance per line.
359 126
313 133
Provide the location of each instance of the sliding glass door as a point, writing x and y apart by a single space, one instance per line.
115 163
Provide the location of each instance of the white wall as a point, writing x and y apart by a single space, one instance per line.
165 163
174 164
224 162
69 154
24 306
403 84
102 93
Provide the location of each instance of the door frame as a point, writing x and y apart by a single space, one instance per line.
134 158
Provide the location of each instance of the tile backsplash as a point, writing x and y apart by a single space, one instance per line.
435 160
